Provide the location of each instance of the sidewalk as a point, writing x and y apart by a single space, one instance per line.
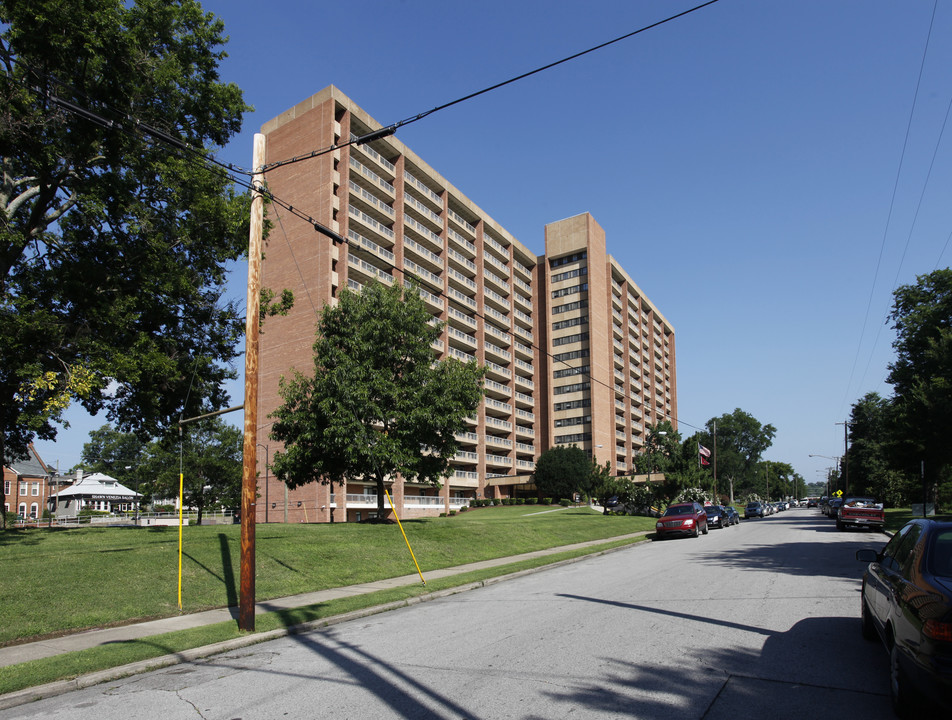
94 638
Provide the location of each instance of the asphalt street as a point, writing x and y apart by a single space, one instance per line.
753 621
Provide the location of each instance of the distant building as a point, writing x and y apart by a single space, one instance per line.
575 352
95 492
26 485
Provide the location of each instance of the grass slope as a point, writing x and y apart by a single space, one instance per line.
65 580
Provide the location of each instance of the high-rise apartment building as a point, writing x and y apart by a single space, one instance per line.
537 328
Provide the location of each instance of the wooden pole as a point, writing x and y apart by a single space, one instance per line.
249 479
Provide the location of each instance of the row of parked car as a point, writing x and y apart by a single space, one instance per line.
763 509
694 519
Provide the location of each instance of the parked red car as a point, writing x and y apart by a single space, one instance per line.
682 519
861 511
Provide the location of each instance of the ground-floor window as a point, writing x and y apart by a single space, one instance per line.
34 509
22 510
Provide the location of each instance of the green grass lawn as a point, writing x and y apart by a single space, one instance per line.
63 580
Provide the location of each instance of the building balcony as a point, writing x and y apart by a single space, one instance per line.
425 191
498 406
465 246
364 268
454 294
462 223
497 352
424 233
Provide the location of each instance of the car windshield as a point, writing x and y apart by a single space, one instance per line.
710 510
753 505
680 510
940 557
863 502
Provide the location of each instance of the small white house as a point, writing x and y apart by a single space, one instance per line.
95 492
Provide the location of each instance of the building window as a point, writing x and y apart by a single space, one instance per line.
567 372
569 307
572 388
571 355
572 290
571 322
573 404
568 422
34 508
6 487
575 257
576 438
23 488
35 489
21 511
568 339
569 274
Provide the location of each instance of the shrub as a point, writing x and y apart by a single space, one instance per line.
442 514
520 501
463 509
532 501
453 512
546 501
565 502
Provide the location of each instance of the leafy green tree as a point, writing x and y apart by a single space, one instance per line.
209 460
112 451
741 441
921 376
377 404
661 451
869 435
114 243
564 470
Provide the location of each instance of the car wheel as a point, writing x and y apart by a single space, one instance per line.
696 533
900 693
705 529
869 630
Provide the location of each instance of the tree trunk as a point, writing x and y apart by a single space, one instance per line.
381 493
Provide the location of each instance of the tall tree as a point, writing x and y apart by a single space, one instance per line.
209 461
113 243
869 432
377 403
741 441
564 470
921 375
118 454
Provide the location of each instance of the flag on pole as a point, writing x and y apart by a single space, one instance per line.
704 454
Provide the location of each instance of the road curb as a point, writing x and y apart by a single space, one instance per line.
61 687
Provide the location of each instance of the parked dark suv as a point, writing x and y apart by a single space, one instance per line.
754 509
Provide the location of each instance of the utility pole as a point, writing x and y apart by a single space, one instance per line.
846 457
249 479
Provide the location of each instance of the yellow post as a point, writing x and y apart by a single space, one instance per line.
404 535
181 505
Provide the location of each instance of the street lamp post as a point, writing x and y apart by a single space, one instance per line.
828 457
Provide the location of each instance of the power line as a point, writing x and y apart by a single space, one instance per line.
391 129
892 203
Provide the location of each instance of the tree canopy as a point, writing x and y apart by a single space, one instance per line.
564 470
377 404
114 241
208 455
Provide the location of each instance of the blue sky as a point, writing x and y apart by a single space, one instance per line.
750 164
